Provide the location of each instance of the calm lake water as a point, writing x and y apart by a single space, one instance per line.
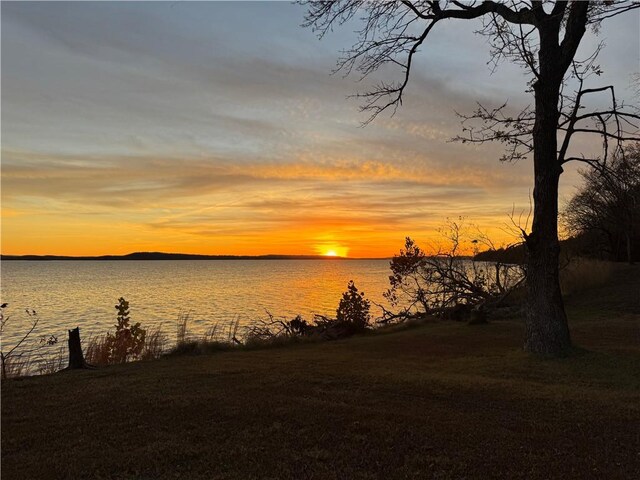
67 294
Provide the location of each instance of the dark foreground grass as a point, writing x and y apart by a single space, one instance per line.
437 401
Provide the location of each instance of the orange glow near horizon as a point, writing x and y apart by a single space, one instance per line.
331 250
54 204
46 233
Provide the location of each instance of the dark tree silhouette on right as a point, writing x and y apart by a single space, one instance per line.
541 36
607 206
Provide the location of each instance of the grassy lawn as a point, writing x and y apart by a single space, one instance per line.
444 400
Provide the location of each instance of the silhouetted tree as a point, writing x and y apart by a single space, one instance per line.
608 205
541 36
353 308
447 282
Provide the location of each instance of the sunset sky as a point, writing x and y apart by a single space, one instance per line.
217 128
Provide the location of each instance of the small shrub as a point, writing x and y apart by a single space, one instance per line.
125 344
128 340
353 309
298 326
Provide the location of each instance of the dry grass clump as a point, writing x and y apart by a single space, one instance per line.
29 354
99 349
273 332
17 366
215 339
36 363
181 326
54 362
155 344
584 273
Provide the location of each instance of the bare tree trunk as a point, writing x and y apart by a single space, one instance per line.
546 331
76 357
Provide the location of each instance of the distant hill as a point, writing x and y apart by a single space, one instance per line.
167 256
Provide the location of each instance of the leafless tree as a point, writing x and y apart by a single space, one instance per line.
543 37
441 282
608 204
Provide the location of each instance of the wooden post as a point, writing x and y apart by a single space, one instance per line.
76 358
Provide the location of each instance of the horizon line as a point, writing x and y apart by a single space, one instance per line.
155 255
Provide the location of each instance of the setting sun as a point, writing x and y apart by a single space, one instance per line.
331 250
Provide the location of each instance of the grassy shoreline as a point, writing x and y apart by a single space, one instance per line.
443 400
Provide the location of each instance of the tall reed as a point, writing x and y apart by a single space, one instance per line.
155 343
97 351
181 326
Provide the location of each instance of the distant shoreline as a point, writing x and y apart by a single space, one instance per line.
179 256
